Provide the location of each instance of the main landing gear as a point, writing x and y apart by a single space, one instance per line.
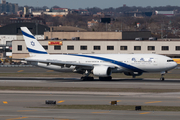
105 78
86 77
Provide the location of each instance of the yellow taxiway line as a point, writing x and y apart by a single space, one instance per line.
153 102
20 71
5 102
61 101
50 71
17 118
144 113
117 101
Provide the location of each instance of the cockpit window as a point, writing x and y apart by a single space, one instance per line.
170 60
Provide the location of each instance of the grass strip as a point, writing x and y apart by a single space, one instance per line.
114 107
140 90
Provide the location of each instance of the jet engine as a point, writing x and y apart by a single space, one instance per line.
102 71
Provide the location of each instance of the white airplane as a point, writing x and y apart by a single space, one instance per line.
101 65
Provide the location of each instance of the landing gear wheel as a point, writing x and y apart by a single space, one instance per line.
162 79
105 78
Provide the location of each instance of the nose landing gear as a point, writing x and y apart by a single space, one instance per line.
162 74
162 78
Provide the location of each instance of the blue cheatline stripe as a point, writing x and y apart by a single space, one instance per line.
36 51
27 35
112 61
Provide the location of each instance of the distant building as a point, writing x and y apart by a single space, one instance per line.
14 28
84 12
26 11
30 19
138 14
66 29
166 13
81 12
59 9
125 35
100 14
3 1
20 13
92 23
6 7
54 12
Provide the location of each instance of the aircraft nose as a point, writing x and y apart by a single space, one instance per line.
175 64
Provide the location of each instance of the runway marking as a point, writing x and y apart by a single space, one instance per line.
20 71
5 102
117 101
102 112
17 118
153 102
50 71
61 101
26 110
144 113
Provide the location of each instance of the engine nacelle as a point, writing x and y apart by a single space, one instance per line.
102 71
133 73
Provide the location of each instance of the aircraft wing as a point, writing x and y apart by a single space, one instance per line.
60 63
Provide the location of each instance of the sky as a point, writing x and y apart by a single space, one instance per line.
75 4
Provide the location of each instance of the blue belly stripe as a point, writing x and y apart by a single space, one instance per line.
112 61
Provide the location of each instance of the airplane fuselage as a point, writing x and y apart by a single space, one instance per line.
122 62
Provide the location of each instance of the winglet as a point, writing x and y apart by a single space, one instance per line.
33 46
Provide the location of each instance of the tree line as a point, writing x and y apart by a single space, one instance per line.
94 10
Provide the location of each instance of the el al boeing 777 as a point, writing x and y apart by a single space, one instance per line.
101 65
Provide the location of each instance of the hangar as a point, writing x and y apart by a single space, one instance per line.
125 35
14 28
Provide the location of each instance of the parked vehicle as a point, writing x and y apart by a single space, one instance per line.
152 38
139 38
